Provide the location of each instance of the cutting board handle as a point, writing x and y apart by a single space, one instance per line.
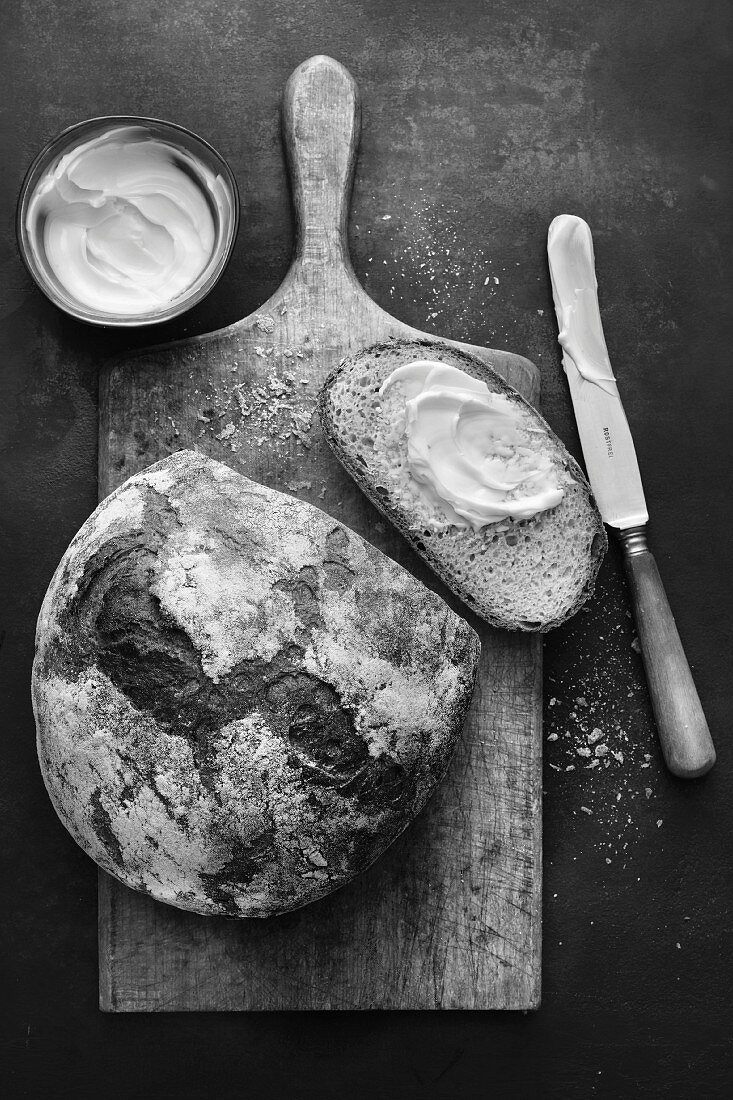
321 120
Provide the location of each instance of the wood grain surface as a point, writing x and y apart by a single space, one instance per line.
681 724
450 916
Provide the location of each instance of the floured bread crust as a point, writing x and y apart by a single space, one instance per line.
239 703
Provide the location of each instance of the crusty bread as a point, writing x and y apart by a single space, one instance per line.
240 703
526 575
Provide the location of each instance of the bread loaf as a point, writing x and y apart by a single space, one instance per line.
239 703
529 574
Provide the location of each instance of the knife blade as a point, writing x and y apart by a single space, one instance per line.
613 471
608 448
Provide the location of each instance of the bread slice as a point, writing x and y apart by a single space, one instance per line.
523 575
240 703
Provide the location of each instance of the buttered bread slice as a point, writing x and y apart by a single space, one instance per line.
473 477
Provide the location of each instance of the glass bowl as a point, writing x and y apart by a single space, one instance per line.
201 164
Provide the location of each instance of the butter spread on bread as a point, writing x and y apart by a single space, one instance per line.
471 450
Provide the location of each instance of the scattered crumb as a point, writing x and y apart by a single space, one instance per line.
275 408
264 322
603 724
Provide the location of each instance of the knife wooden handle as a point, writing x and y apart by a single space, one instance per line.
683 731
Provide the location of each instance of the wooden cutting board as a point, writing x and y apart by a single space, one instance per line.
450 916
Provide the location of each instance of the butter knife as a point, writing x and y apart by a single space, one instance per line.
613 472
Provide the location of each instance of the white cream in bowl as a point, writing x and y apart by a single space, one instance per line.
128 224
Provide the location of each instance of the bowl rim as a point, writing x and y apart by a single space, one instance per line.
184 303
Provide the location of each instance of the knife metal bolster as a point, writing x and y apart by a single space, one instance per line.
633 539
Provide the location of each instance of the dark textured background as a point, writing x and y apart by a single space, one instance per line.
481 122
